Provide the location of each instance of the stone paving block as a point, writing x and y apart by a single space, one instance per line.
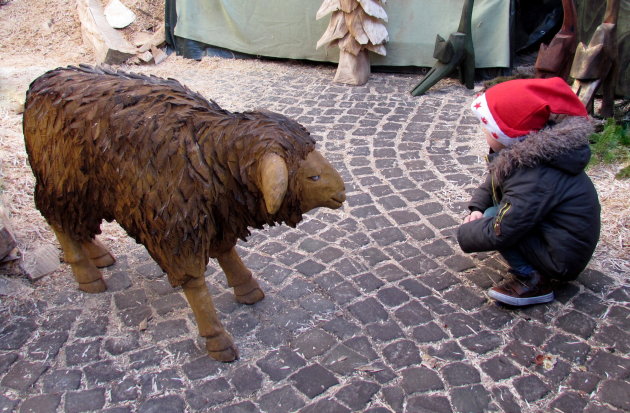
505 398
460 374
102 372
595 280
402 353
394 397
284 399
621 295
317 303
118 281
201 367
61 320
151 356
494 317
122 344
613 336
242 324
483 342
595 407
531 388
6 360
439 280
413 313
577 323
569 403
47 345
420 380
130 299
357 394
473 399
133 317
385 331
15 335
281 363
616 393
499 368
7 404
459 263
23 374
205 396
160 382
619 316
521 353
609 365
429 333
433 404
363 346
368 282
92 328
583 381
460 325
167 303
415 288
84 400
569 348
60 380
392 296
172 403
343 360
450 350
437 249
368 311
41 403
125 390
344 293
530 333
313 343
247 380
242 407
313 380
464 298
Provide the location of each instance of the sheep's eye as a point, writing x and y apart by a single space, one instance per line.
314 178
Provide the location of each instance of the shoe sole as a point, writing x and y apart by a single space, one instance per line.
520 302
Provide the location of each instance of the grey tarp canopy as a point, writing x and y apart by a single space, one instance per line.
288 29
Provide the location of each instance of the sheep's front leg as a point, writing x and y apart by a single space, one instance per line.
246 288
85 272
218 342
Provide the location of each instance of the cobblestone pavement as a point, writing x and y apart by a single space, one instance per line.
370 308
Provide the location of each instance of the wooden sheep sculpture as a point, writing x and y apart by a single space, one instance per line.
182 176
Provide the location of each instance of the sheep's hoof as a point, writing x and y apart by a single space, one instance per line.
103 261
249 292
222 348
97 286
251 297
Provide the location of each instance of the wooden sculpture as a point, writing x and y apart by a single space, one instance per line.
456 52
597 63
182 176
555 58
356 27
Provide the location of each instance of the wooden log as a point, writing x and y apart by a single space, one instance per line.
109 46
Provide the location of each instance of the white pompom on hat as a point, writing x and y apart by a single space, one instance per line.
512 110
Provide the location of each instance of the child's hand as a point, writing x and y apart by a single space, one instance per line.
475 215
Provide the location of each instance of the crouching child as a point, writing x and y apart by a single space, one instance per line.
537 207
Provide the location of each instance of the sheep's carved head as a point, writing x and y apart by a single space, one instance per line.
319 183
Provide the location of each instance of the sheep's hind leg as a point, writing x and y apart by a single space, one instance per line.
85 272
218 342
246 288
97 252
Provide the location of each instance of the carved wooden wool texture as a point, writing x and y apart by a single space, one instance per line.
176 171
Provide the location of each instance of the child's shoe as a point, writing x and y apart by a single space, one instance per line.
521 291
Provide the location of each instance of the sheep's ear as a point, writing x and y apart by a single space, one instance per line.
274 180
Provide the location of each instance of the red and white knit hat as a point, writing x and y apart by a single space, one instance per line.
513 109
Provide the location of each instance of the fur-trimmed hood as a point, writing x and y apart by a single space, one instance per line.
564 146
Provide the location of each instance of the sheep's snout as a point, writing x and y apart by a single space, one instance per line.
321 185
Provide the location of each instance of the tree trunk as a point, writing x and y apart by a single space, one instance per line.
353 70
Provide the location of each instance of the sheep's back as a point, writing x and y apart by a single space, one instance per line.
111 146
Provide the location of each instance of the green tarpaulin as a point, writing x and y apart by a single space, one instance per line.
288 29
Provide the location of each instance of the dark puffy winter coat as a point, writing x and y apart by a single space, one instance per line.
548 206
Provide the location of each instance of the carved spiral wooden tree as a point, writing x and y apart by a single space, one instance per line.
356 27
